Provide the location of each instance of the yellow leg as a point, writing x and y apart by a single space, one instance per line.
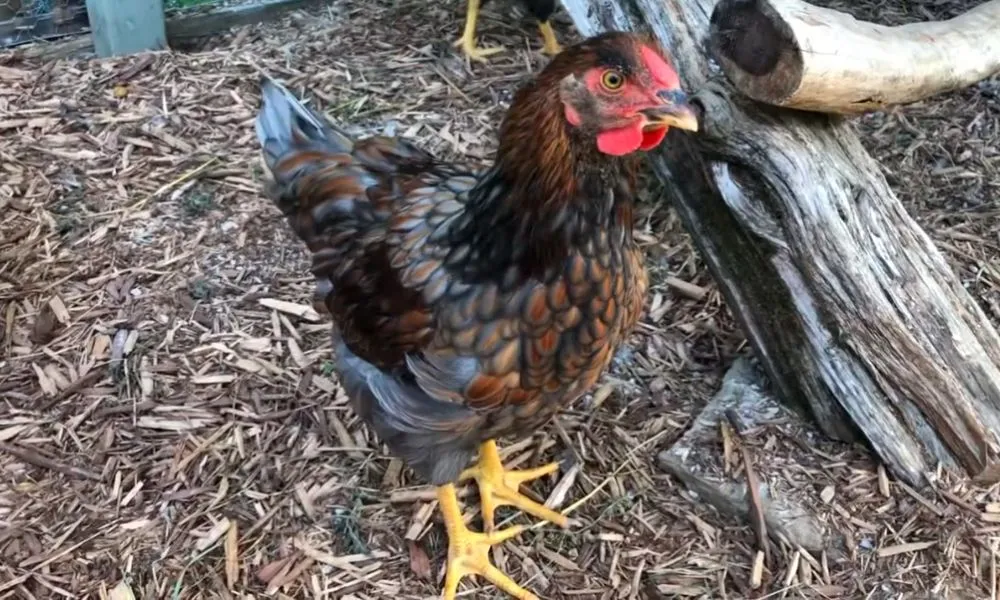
468 552
498 487
468 39
549 37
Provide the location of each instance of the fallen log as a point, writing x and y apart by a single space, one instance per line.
793 54
852 311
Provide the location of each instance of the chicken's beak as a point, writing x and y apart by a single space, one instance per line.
675 111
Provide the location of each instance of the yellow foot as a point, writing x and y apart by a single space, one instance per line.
468 552
498 487
551 46
469 49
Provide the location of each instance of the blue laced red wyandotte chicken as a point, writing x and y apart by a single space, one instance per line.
468 305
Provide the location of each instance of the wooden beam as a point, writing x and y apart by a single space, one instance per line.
126 27
793 54
851 310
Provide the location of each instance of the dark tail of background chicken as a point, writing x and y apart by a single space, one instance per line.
285 125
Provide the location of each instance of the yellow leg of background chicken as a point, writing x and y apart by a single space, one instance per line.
549 38
468 39
468 552
498 487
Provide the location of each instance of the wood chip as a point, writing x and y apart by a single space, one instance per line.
163 365
883 481
303 311
122 591
420 564
757 572
690 290
888 551
214 534
827 494
232 553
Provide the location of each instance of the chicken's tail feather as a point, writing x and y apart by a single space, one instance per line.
285 124
433 437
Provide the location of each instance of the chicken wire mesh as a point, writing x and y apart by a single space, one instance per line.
182 4
23 21
10 9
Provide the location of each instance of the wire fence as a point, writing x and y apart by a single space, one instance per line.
169 5
26 21
27 8
23 21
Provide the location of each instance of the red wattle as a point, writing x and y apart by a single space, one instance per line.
651 138
621 141
625 140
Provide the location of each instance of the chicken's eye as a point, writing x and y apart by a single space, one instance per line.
612 80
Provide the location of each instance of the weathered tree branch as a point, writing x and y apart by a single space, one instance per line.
787 516
849 306
793 54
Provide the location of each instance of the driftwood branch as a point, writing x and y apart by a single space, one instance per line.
793 54
850 308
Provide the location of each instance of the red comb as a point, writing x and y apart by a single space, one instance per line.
659 68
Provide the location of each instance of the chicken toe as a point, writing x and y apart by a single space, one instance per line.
551 46
468 551
499 487
468 39
474 52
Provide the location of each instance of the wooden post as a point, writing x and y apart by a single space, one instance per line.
850 308
125 27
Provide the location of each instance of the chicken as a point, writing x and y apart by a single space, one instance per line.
469 305
540 9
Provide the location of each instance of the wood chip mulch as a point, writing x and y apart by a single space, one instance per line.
170 427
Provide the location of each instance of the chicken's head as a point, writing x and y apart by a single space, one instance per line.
622 89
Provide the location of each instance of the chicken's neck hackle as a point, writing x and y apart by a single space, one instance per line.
549 190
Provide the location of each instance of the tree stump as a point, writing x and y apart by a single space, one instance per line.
848 305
